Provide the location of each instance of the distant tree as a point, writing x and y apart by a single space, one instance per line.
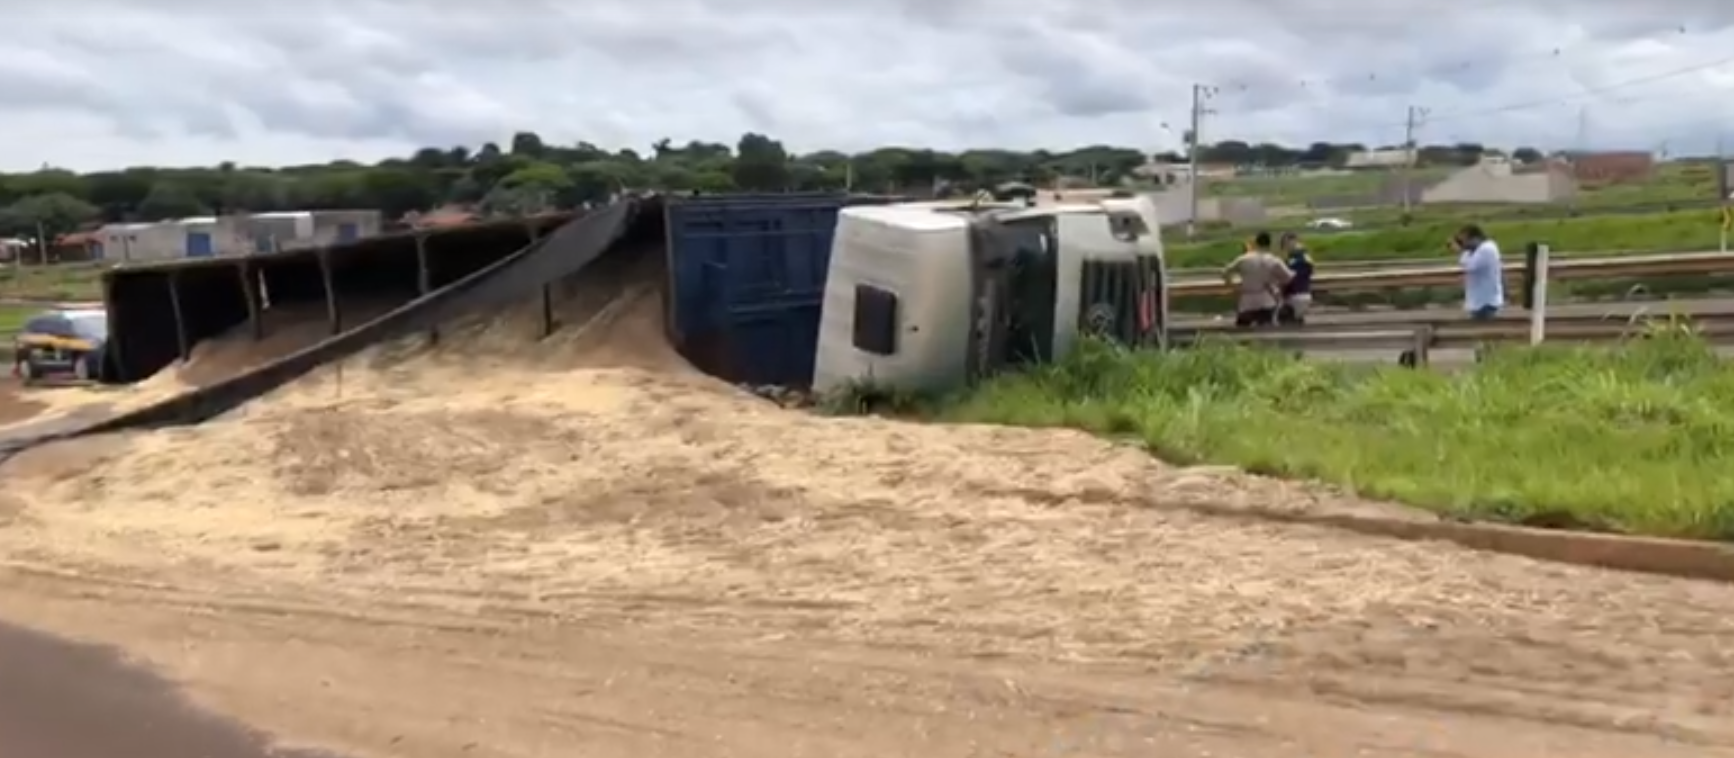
170 200
528 144
761 164
532 173
49 215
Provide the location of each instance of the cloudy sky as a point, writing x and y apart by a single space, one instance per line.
173 82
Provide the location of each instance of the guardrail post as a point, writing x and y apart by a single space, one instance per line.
331 315
250 288
180 316
1536 272
116 346
424 280
547 287
1421 344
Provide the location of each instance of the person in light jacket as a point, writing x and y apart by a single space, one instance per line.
1259 277
1483 273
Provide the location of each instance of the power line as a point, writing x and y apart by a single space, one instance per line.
1590 92
1409 156
1325 84
1200 94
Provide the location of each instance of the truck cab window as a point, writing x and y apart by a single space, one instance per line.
875 320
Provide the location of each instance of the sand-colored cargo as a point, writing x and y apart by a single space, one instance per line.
502 546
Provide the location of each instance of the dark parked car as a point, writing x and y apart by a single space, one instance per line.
62 342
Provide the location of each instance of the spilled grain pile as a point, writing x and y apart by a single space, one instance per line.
285 330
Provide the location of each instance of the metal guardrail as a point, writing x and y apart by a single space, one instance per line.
1438 276
1417 339
1610 314
1214 273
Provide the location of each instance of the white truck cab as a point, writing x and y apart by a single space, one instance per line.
933 296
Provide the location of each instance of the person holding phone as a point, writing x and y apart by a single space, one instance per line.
1483 273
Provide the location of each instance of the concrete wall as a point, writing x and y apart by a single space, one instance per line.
1497 183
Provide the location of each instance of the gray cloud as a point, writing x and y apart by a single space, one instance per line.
202 81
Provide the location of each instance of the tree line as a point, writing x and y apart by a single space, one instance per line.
528 175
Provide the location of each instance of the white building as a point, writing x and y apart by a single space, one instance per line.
1394 158
212 236
130 242
284 230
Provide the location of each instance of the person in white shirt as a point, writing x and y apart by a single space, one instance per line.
1483 274
1259 277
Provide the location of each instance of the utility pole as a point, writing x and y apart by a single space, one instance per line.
1582 147
1200 93
1410 156
1722 190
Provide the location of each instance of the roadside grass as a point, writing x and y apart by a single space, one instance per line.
12 318
1297 189
58 282
1637 438
1683 192
1607 234
1672 183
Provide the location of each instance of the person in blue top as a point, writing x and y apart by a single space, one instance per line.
1297 295
1483 274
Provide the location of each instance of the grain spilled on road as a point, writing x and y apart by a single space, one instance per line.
594 475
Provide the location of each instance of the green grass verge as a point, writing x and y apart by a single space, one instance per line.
1672 183
69 281
1648 232
1298 189
1638 439
12 318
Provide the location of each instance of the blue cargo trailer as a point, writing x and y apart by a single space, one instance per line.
747 281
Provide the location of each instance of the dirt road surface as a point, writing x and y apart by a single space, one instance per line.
77 701
588 550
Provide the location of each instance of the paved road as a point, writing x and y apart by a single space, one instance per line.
15 438
63 700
